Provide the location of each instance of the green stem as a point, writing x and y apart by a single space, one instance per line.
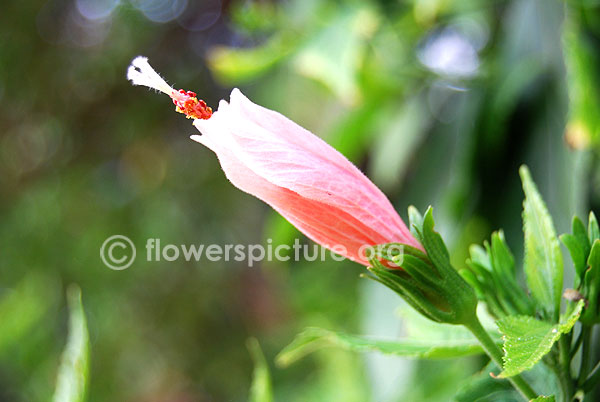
495 354
558 372
566 381
586 333
576 346
593 379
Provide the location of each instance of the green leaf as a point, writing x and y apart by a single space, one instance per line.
492 273
500 255
485 387
543 258
480 256
252 17
23 307
313 339
482 387
238 65
472 280
591 286
333 56
527 340
593 229
416 326
577 253
74 366
543 398
261 389
581 234
578 244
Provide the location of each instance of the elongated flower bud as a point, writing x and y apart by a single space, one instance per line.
302 177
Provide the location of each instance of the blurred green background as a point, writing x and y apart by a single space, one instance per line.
438 101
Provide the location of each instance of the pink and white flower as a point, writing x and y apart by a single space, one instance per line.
298 174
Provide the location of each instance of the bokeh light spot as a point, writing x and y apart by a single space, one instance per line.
96 9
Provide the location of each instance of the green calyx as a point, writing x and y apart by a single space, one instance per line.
426 280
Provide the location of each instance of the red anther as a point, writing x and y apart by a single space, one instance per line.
187 103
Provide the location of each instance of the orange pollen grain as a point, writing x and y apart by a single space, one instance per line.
187 103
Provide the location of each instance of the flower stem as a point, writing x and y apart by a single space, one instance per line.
586 334
495 354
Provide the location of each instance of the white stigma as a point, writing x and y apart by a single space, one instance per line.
140 72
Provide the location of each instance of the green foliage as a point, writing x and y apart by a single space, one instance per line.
333 56
416 326
543 257
482 387
527 340
584 248
73 373
256 18
242 65
261 389
593 228
22 310
579 247
591 287
543 398
485 386
84 156
493 276
313 339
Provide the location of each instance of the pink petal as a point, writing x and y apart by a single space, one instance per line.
307 181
